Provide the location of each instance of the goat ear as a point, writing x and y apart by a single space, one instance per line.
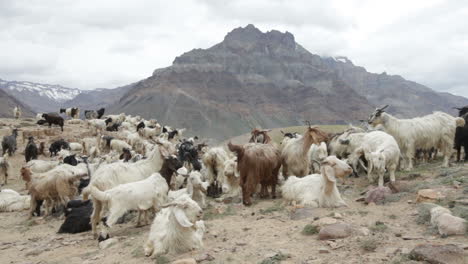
329 173
181 217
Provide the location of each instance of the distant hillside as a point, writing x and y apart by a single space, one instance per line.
255 79
7 103
39 97
95 99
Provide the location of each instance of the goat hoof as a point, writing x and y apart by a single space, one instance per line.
102 238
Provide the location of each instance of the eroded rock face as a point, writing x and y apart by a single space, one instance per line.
438 254
267 79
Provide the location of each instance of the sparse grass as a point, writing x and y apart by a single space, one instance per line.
162 260
277 207
369 244
138 252
460 211
211 214
363 213
424 213
378 227
392 216
403 258
29 222
276 259
394 197
310 230
229 259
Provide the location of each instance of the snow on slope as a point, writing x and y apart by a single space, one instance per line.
57 93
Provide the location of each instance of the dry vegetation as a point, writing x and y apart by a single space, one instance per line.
262 233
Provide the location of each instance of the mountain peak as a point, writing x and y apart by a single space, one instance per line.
250 37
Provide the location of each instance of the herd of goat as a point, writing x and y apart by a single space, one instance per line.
132 164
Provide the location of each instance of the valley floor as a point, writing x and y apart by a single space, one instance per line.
269 231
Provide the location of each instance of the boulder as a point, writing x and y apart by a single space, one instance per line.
446 223
334 231
377 195
438 254
428 195
108 243
325 221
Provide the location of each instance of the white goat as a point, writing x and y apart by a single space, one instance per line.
317 153
231 186
214 160
434 130
111 175
76 147
118 145
40 166
176 229
318 190
381 152
149 193
196 189
97 125
12 201
17 112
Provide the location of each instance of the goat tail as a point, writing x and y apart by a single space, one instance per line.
99 195
460 122
238 149
86 192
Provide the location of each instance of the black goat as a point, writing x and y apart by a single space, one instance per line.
31 151
9 143
58 145
140 125
41 122
462 110
52 119
461 138
100 113
77 217
113 127
126 155
189 153
71 160
170 165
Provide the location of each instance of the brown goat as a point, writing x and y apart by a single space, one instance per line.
295 158
260 136
257 163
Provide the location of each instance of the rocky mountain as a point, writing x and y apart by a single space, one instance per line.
39 97
7 103
256 79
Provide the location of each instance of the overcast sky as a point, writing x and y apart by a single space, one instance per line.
105 44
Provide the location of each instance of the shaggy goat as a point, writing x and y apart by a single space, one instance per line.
231 186
30 152
4 166
317 154
196 189
260 136
381 152
295 155
214 160
110 175
318 190
9 143
177 228
11 201
149 193
434 130
52 119
257 163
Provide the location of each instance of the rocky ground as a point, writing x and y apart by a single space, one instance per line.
269 231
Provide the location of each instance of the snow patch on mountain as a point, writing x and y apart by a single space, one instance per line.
54 92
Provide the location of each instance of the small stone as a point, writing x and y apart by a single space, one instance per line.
405 251
362 231
323 250
241 244
409 237
443 254
185 261
35 252
334 231
108 243
446 223
325 221
391 251
377 195
409 201
337 215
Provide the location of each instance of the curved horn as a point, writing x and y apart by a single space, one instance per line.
307 122
383 108
316 161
